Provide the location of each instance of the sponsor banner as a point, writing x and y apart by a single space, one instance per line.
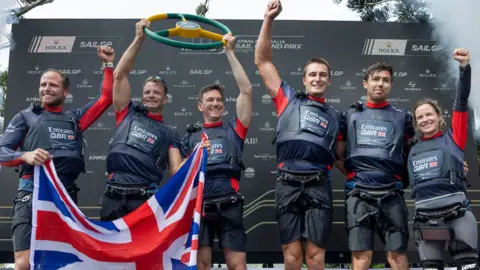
51 44
401 47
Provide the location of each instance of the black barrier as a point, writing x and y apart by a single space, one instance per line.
350 47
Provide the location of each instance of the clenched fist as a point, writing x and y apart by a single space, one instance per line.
274 8
36 157
107 54
462 56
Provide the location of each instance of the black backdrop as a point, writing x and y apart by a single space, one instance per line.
350 47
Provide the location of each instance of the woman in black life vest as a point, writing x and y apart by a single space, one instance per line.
436 171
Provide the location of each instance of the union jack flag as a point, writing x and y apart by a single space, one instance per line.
160 234
433 164
381 133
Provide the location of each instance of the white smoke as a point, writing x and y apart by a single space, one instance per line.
6 19
456 25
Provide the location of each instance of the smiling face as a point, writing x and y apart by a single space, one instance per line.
211 103
154 96
316 79
428 119
52 90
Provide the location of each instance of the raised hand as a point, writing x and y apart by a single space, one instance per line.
139 28
230 41
462 56
274 8
107 54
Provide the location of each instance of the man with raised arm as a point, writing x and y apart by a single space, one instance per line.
223 204
45 131
143 145
306 137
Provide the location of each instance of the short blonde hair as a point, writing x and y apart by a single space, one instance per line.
436 108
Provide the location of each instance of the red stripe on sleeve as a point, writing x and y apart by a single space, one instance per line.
119 116
240 129
12 163
281 101
102 104
460 128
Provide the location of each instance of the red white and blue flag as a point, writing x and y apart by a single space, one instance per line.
160 234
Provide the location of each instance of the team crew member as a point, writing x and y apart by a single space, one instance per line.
143 145
435 166
45 131
223 205
377 138
306 140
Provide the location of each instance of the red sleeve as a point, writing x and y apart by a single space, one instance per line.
101 105
460 128
119 116
285 93
240 129
280 101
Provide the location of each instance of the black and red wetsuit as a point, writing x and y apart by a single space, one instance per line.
307 130
376 136
57 131
225 159
435 164
138 152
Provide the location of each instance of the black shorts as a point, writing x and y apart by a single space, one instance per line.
227 223
115 208
389 222
22 219
306 214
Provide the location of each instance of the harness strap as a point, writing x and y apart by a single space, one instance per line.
213 213
379 213
124 193
303 180
433 216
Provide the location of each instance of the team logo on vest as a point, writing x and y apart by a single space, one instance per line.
373 133
312 119
217 148
425 163
61 133
144 135
371 130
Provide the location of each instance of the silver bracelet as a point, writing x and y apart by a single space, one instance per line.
107 65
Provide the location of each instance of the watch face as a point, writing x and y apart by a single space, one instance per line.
188 25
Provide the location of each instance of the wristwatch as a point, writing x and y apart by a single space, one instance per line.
107 65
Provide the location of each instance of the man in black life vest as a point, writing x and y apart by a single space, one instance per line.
222 204
43 132
306 138
377 137
143 146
